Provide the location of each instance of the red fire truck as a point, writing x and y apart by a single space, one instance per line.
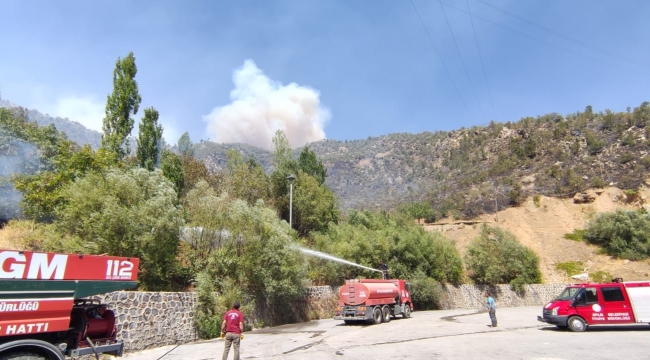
44 313
583 305
373 301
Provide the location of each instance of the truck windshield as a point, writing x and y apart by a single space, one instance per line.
568 293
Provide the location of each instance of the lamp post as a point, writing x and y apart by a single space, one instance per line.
291 178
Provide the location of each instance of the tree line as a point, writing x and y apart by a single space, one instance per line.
224 232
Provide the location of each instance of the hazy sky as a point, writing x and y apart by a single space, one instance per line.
348 69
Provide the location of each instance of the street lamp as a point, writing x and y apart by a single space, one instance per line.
291 178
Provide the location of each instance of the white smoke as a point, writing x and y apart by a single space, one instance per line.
261 106
85 110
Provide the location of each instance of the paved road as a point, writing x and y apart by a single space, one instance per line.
445 334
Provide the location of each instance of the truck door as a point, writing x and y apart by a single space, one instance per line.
616 309
587 306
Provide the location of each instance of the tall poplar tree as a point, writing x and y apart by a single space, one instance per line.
149 140
121 105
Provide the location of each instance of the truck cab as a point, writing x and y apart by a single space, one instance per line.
583 305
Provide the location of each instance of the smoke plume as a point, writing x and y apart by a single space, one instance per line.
260 106
16 157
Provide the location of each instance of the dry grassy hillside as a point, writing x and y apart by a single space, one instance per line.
542 228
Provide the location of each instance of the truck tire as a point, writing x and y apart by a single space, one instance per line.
22 356
377 316
407 311
385 311
577 324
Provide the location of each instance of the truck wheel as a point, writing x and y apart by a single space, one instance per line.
22 356
577 324
407 311
386 313
377 315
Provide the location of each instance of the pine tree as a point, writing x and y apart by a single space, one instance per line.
185 146
311 165
120 106
149 140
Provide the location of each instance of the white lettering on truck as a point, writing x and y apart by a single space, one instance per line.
26 328
9 306
116 269
39 265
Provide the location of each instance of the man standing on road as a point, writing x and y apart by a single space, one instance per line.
492 308
233 327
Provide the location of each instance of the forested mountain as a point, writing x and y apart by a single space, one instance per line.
470 171
462 172
73 130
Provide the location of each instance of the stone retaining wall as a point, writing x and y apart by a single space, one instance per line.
153 319
471 296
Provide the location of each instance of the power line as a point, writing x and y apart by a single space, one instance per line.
581 43
440 57
480 56
542 41
461 59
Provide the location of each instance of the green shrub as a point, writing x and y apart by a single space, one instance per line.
211 308
132 213
628 139
207 319
600 276
598 182
624 234
645 161
594 145
570 268
426 292
626 158
537 200
576 235
248 246
368 238
496 257
417 210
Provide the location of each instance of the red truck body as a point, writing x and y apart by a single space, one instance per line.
582 305
374 301
43 310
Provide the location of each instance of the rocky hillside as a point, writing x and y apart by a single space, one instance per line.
468 172
73 130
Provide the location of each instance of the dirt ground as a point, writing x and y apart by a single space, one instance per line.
542 228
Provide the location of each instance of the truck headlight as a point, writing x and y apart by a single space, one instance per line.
554 311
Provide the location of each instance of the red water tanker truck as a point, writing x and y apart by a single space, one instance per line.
373 301
44 313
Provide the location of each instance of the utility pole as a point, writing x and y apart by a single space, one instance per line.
291 178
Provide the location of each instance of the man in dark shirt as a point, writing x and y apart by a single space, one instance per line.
384 270
233 327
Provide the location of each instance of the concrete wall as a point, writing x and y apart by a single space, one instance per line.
152 319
